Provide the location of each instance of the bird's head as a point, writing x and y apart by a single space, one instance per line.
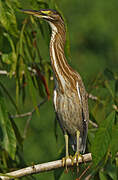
46 14
52 17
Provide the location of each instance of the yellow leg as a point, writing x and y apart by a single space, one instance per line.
66 142
77 154
67 153
78 135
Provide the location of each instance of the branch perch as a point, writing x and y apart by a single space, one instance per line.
92 97
35 169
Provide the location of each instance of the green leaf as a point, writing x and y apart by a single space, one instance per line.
9 139
12 56
7 18
100 145
6 58
114 141
108 122
111 170
102 139
102 176
110 85
109 74
17 133
10 41
58 173
9 95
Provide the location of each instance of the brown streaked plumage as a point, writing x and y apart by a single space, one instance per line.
70 97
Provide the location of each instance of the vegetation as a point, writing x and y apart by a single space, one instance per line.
26 83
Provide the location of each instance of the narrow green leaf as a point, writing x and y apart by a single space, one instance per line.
113 173
114 141
9 139
111 170
102 139
10 41
17 132
32 91
10 97
12 55
6 58
7 17
27 48
22 39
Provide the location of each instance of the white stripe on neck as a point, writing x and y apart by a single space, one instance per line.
53 27
54 32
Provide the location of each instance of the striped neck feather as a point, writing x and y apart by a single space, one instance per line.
63 72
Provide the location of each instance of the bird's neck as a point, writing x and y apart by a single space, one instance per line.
62 71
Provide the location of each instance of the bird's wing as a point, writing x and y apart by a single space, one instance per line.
82 95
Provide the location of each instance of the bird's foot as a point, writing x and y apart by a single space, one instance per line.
64 161
76 158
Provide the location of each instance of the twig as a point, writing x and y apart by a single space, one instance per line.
4 72
35 169
28 114
115 107
21 115
30 117
93 124
27 125
93 97
88 177
83 173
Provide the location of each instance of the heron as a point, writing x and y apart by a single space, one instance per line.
70 97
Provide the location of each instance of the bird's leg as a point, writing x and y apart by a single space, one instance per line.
77 154
66 141
78 135
67 153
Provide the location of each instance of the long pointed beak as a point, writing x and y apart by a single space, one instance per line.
33 12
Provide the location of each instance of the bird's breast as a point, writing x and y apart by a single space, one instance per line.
69 111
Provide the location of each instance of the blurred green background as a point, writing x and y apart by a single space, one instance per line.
91 49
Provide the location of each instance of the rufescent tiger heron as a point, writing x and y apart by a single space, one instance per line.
70 97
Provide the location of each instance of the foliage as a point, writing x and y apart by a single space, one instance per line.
25 63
